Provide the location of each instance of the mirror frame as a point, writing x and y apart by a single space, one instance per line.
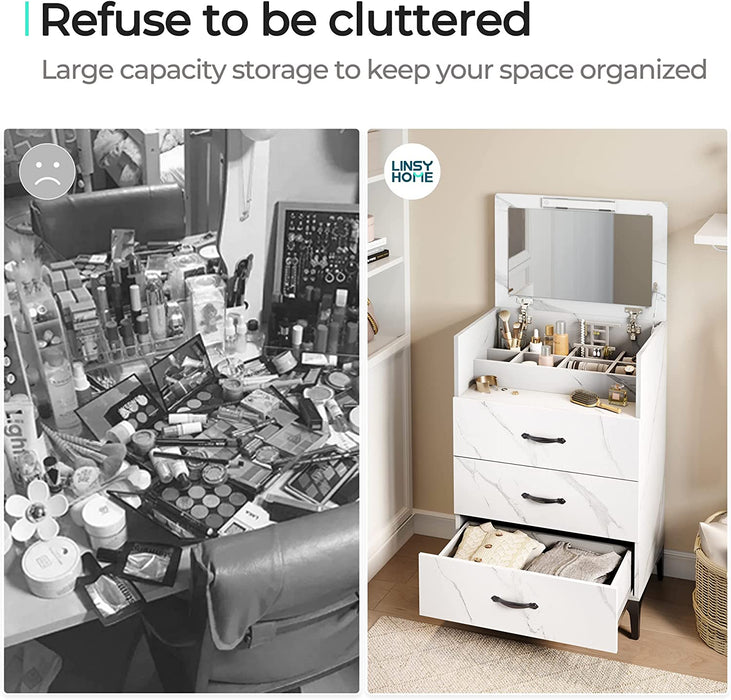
655 313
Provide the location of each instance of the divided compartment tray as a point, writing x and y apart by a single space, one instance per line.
558 609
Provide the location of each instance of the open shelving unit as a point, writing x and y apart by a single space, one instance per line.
389 361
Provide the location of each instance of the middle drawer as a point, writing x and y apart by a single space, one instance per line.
556 500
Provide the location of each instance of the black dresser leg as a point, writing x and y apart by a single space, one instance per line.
633 608
661 567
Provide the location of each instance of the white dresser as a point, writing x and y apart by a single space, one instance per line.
526 457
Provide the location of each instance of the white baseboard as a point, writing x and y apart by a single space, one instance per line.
393 538
427 522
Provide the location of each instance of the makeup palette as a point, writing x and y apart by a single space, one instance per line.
211 506
318 483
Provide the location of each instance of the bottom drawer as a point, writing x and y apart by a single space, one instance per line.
548 607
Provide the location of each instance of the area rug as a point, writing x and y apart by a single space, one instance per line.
414 657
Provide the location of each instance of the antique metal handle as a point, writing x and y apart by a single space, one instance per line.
540 499
545 440
511 604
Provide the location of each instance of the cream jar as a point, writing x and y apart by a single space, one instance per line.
51 568
105 523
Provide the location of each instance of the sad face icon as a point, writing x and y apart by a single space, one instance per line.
47 171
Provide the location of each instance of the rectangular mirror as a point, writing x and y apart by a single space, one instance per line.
580 255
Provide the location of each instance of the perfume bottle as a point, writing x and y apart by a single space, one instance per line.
617 395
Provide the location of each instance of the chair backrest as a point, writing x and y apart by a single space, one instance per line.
280 603
82 223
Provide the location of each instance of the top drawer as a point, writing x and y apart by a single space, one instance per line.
546 430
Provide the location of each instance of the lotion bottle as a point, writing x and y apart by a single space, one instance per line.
61 392
561 339
535 342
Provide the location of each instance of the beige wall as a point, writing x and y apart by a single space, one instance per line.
452 243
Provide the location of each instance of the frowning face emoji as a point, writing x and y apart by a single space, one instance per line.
47 171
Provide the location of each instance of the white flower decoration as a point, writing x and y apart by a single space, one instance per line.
37 513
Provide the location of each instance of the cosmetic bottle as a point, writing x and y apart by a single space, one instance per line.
548 337
617 395
142 329
117 301
351 338
176 319
333 337
297 333
254 338
128 337
102 303
545 359
61 392
156 311
135 301
308 339
113 340
229 336
535 342
325 310
81 384
341 303
321 338
561 339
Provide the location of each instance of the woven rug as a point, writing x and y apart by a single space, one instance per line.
414 657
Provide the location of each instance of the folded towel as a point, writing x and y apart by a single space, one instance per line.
569 562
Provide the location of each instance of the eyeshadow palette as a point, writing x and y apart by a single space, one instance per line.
211 506
127 401
183 374
318 482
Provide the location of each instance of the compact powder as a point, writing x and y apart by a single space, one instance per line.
226 510
211 501
318 394
199 512
223 491
214 474
193 404
197 492
338 380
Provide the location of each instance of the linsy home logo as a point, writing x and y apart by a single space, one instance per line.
412 171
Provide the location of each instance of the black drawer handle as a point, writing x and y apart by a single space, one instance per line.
511 604
534 438
540 499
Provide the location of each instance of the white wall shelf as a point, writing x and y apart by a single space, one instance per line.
714 232
390 498
379 266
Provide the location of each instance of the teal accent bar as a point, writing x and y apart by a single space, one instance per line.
27 18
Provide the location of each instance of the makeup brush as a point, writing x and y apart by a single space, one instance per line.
504 316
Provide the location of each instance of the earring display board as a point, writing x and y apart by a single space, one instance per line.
315 271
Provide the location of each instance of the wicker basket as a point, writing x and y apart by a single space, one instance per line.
709 598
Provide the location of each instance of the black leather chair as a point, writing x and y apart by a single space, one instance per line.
270 610
82 223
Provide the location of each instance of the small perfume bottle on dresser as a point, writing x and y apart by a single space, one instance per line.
617 395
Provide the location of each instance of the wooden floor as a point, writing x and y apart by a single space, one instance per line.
668 638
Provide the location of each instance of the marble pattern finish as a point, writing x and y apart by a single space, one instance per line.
593 505
568 611
596 441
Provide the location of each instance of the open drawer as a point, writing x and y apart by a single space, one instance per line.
523 602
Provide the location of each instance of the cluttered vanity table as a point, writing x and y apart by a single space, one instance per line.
559 426
162 415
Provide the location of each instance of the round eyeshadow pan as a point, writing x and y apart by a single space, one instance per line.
204 395
194 403
224 490
211 500
159 425
141 417
133 422
170 494
226 510
185 503
237 499
214 521
199 511
197 492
